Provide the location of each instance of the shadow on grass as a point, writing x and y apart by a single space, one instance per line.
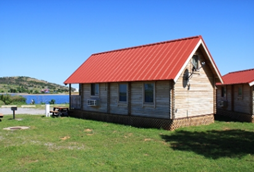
213 144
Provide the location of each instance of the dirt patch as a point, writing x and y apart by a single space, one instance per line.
16 128
32 161
88 130
147 140
65 138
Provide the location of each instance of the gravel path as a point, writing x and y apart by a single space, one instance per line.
31 111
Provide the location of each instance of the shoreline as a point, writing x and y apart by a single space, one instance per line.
26 94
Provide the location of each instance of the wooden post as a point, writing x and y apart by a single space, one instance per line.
70 96
108 97
13 109
232 98
81 96
129 98
251 101
172 99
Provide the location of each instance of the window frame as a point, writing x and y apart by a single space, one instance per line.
118 93
223 91
91 89
240 91
149 103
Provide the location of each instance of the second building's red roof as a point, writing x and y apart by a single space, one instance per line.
239 77
159 61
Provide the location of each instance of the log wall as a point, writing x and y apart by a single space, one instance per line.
108 100
102 98
160 108
197 95
236 103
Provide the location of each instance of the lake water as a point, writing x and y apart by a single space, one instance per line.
38 99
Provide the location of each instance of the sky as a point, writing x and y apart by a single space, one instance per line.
50 39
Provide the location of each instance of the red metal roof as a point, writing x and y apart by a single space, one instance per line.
158 61
239 77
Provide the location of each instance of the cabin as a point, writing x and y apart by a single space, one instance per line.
235 97
165 85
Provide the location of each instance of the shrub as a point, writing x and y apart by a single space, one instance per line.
52 101
18 99
1 102
8 99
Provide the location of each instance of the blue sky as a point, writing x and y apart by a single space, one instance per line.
50 39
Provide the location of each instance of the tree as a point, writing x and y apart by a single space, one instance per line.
52 101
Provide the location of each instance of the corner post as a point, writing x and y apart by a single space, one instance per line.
69 96
81 96
232 98
173 100
129 98
108 97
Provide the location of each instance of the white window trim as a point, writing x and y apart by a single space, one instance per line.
97 95
122 102
153 104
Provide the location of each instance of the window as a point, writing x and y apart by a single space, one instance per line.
223 91
149 93
94 89
122 92
195 62
240 91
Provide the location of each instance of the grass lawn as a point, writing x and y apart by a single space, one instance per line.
70 144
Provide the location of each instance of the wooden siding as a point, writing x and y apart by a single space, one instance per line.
136 107
243 104
227 97
198 98
117 107
161 107
86 90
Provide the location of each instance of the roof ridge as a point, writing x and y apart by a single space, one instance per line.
241 71
146 45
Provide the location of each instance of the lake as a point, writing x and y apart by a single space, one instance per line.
38 99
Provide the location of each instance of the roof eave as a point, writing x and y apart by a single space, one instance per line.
251 83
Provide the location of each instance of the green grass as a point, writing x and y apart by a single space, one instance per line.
70 144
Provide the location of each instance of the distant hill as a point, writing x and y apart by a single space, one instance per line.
23 84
